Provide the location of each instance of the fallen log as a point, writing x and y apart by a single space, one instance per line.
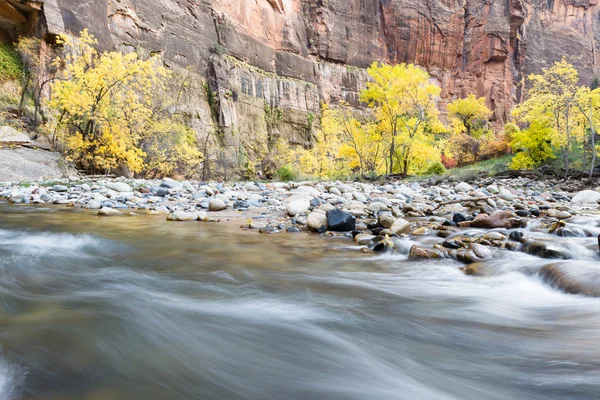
445 203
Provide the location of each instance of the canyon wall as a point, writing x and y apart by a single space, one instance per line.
258 55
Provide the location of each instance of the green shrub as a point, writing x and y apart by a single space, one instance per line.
10 63
286 173
437 168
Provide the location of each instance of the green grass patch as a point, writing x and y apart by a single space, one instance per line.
11 67
492 166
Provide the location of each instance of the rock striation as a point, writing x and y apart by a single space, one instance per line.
289 55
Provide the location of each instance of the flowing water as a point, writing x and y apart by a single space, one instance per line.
137 308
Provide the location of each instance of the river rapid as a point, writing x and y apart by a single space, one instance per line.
135 308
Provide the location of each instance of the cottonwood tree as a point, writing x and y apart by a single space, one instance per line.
404 103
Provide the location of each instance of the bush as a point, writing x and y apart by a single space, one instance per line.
10 63
286 173
448 162
437 168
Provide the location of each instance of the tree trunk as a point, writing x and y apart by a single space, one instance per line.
392 151
568 146
592 143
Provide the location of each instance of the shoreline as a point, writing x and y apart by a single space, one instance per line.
379 217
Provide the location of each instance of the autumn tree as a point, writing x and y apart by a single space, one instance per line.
107 113
588 104
552 102
533 145
404 103
469 115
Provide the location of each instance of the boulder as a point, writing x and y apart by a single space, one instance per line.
119 187
498 219
181 216
299 206
400 226
463 187
421 253
340 221
107 211
590 197
316 221
216 205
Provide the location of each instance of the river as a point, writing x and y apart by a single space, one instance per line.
137 308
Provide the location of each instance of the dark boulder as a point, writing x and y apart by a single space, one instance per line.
340 221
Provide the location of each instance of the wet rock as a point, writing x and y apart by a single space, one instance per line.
257 225
93 205
292 230
459 217
493 236
522 213
400 226
340 221
563 215
181 216
516 236
386 220
105 211
452 244
573 277
316 220
268 230
545 250
498 219
421 253
421 231
480 251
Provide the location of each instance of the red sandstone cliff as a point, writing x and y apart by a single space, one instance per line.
295 53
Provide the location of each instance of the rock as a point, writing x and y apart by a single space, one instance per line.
493 189
589 197
400 226
299 206
181 216
216 204
359 197
420 253
452 244
421 231
170 184
340 221
59 188
162 192
93 205
316 220
335 191
251 187
459 217
505 194
106 211
119 187
377 207
463 187
257 225
493 236
516 236
292 230
545 250
480 251
563 215
86 188
498 219
386 220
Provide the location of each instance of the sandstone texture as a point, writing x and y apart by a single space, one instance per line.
259 55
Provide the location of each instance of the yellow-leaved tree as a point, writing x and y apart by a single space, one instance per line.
469 115
551 103
108 115
404 103
588 104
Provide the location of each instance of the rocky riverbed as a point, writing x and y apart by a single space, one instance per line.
468 222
